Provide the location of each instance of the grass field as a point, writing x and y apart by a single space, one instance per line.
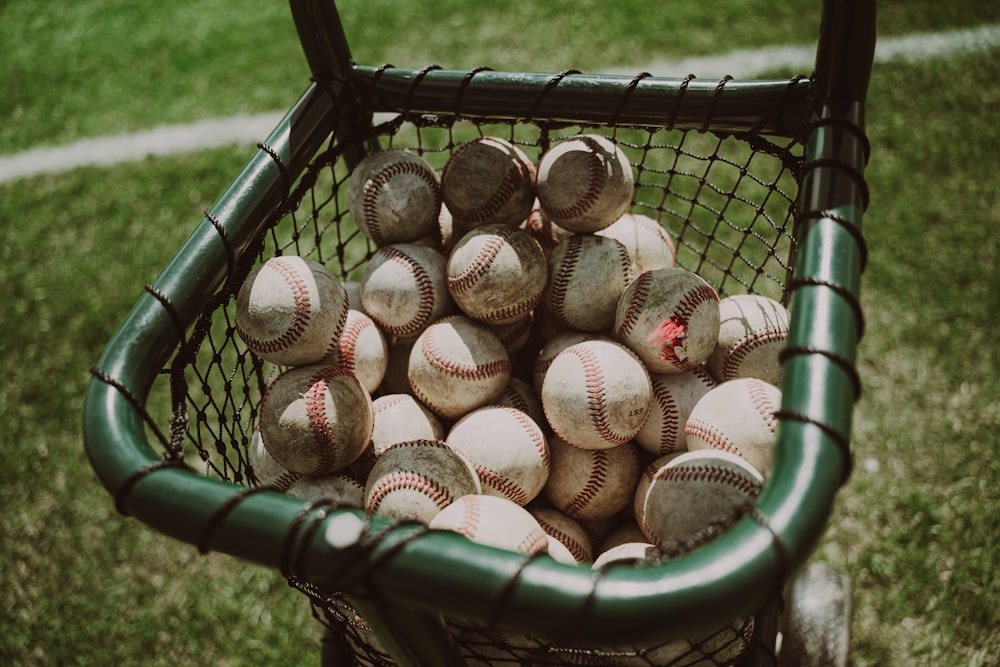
83 586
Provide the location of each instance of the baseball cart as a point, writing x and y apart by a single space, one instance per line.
760 185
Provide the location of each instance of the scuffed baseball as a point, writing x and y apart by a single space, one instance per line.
496 273
682 495
493 521
737 417
415 480
752 332
519 394
315 420
457 365
404 288
596 394
674 396
670 318
566 531
648 243
587 276
361 349
592 483
398 418
263 469
340 489
585 183
552 348
289 309
508 450
487 180
394 196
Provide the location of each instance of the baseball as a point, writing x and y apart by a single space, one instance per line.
289 309
592 483
624 533
496 273
565 530
520 395
404 288
585 183
398 418
631 553
682 495
508 450
648 243
416 479
361 349
674 396
457 365
394 196
670 318
596 394
552 348
263 469
752 332
315 420
515 335
737 417
587 276
340 489
493 521
487 180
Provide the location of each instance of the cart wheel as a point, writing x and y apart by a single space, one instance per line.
816 625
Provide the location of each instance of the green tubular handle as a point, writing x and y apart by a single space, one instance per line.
428 573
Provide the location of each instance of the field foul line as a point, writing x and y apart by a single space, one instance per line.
250 128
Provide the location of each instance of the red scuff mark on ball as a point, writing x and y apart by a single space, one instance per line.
669 337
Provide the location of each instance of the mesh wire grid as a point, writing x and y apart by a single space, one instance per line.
727 202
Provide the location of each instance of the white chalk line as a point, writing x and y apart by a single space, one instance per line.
250 128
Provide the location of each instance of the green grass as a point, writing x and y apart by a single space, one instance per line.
82 585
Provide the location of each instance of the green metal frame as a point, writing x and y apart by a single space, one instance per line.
420 576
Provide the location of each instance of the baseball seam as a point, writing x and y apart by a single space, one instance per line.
501 484
344 345
670 419
481 264
425 290
577 549
441 361
639 293
407 480
319 425
710 435
595 184
739 350
469 524
533 431
301 316
560 280
597 407
762 403
375 185
593 486
710 474
513 178
688 303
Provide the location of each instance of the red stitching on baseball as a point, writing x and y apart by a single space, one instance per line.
533 542
595 183
578 550
468 525
640 290
500 483
407 480
593 378
301 315
319 424
559 283
373 188
480 265
441 361
712 474
425 288
762 403
670 415
510 312
515 176
533 430
739 350
710 435
592 487
345 344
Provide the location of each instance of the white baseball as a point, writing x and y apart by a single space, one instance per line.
566 531
670 318
340 489
674 396
289 309
264 469
648 243
394 196
515 335
596 394
552 348
752 333
315 420
507 448
404 288
398 418
592 483
681 495
519 394
414 480
587 276
585 183
496 273
361 349
487 180
457 365
737 417
493 521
